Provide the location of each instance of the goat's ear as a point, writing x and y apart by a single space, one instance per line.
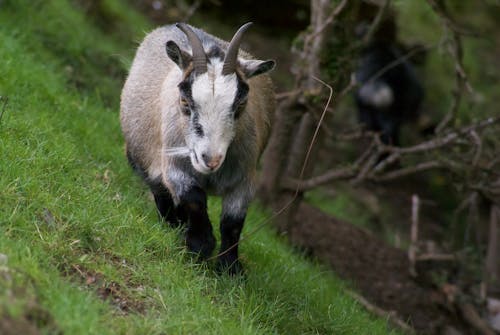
252 68
178 56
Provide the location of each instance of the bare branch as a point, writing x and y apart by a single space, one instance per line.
376 22
444 140
448 21
478 150
190 10
407 171
334 174
400 60
412 250
492 261
455 50
365 167
287 94
329 20
356 135
391 316
386 162
472 317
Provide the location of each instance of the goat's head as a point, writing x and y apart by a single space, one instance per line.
213 95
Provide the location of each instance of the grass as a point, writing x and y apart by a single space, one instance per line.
76 226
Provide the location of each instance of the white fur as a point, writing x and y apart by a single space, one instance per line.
214 94
377 94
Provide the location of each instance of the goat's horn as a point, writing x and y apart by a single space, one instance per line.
232 51
199 56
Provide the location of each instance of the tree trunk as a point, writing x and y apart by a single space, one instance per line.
293 126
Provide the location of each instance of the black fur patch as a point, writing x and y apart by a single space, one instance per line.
185 89
215 52
240 99
197 126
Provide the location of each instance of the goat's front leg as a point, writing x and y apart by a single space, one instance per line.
234 210
191 210
199 235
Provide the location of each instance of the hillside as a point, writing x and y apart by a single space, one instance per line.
81 248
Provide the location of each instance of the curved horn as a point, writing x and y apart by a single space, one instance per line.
232 51
199 56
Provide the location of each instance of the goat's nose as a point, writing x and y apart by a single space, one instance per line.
212 161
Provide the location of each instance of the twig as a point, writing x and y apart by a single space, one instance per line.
388 315
400 60
191 10
455 50
353 83
386 162
444 140
477 141
287 94
334 174
335 12
465 203
492 267
356 135
436 257
412 250
366 169
376 22
407 171
448 21
473 319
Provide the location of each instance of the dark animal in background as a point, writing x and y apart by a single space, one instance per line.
389 91
195 114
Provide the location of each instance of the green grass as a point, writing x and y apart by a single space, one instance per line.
71 209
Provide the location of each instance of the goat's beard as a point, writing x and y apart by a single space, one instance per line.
178 151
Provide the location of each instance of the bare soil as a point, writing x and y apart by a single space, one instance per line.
118 296
377 270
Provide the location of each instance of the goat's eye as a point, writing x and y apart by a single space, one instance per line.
185 107
240 108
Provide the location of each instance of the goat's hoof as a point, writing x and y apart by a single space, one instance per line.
201 244
229 265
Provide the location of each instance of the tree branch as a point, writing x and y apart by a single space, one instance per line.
407 171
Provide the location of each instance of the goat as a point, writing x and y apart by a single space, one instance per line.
196 116
390 98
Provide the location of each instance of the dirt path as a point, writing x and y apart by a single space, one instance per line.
378 271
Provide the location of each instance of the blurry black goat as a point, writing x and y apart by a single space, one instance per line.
389 92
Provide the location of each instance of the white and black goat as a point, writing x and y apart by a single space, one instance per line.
390 92
195 114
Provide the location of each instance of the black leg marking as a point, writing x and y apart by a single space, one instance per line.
165 204
199 235
230 228
166 209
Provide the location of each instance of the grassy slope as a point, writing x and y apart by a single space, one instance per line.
71 209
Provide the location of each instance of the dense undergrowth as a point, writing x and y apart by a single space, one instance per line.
81 248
